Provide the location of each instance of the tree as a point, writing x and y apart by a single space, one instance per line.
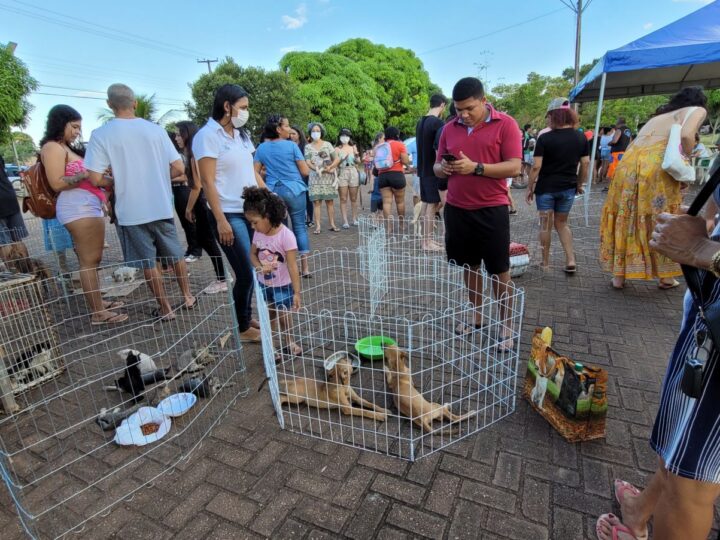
146 108
527 102
713 108
270 92
26 149
340 93
403 85
15 86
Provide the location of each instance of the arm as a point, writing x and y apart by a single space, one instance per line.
690 128
582 175
684 239
292 265
710 211
53 159
442 168
99 179
177 169
208 167
303 167
404 158
194 193
532 178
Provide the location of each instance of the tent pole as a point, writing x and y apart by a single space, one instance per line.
588 185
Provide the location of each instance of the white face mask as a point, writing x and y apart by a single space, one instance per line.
315 135
344 139
241 119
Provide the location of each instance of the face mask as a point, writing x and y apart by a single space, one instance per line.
315 135
344 139
241 119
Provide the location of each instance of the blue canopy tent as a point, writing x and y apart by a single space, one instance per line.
683 53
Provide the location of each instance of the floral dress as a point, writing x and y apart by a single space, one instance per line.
639 192
323 186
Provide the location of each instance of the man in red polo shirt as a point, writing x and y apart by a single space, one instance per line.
477 152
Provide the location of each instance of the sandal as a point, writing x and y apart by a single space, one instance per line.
308 275
316 231
570 269
107 304
616 526
159 317
666 286
115 318
621 487
334 229
463 329
288 350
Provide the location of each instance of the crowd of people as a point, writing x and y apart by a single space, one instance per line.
256 205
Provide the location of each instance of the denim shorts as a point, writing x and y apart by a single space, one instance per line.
281 296
560 201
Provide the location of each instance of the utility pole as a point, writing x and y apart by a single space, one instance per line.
208 62
578 8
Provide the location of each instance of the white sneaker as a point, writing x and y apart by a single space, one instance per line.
216 287
191 258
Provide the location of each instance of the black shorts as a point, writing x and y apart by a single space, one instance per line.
392 179
430 189
442 184
478 236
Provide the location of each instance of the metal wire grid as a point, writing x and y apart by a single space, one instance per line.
422 301
60 467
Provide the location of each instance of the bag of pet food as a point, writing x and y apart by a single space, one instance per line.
568 394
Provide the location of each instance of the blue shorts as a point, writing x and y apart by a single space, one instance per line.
560 201
142 245
605 154
281 296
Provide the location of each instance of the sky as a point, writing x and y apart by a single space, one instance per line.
155 48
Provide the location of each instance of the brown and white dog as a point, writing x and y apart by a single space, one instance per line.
408 400
336 393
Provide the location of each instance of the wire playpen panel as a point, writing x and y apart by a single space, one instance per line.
63 393
421 304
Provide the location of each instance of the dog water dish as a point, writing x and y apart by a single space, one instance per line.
335 357
371 347
177 404
146 420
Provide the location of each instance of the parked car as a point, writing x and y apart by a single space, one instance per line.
13 174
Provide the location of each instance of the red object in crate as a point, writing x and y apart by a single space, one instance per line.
519 259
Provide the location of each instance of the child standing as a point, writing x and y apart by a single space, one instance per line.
274 256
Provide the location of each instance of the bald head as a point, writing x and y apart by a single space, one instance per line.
120 97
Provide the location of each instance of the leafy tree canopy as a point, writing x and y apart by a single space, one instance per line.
15 86
25 146
270 92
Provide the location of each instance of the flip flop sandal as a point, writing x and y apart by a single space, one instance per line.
667 286
316 232
463 329
307 276
616 527
113 305
570 269
288 351
159 317
115 319
621 487
334 229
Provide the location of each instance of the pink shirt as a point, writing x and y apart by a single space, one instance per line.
490 142
78 166
273 250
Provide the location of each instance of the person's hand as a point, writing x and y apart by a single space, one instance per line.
463 165
296 301
225 232
190 215
679 237
447 167
579 190
529 196
266 268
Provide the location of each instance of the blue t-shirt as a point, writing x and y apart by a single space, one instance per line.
411 145
279 158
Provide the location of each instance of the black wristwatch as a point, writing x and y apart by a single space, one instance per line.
479 169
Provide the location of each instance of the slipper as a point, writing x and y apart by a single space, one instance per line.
620 488
307 276
570 269
616 526
334 229
113 305
612 282
155 313
288 351
666 286
189 307
316 232
463 329
115 319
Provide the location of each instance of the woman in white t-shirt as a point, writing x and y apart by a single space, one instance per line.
224 154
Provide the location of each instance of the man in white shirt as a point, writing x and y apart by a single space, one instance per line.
141 157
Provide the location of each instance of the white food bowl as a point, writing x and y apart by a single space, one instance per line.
129 433
333 359
177 404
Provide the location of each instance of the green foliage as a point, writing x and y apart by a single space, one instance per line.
15 86
527 102
24 145
339 92
713 106
635 110
146 108
270 92
404 87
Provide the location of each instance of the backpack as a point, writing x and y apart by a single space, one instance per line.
383 159
41 198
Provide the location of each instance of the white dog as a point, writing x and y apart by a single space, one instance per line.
124 274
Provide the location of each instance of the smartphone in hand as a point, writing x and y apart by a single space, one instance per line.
449 157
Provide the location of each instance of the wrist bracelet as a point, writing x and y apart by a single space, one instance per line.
715 264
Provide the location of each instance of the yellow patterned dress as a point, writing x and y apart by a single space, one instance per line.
639 192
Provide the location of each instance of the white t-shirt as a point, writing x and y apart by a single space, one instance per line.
234 168
140 154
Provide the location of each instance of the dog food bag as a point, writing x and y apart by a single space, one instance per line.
568 394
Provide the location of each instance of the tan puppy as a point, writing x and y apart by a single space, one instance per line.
408 400
334 394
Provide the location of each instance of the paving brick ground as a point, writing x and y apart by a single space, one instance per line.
517 479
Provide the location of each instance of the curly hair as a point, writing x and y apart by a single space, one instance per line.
691 96
58 118
264 203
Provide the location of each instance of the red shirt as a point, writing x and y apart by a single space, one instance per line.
397 147
490 142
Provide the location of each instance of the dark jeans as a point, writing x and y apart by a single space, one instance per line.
180 198
206 239
238 255
309 207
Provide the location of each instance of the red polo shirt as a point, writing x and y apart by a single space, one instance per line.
494 141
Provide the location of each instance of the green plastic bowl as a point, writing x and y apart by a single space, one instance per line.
371 347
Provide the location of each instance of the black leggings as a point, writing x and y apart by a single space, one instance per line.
180 198
206 239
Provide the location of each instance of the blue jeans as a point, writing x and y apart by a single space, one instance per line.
238 255
561 201
296 209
